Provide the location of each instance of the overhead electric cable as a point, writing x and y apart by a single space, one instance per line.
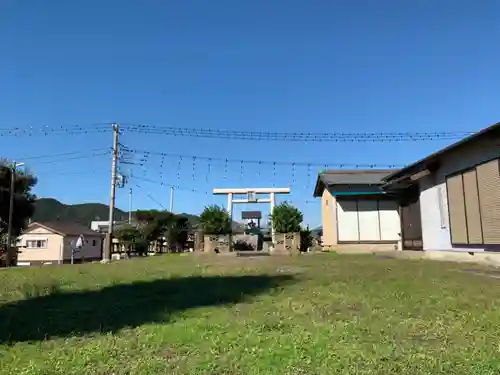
176 187
56 130
150 196
92 155
146 153
292 136
106 150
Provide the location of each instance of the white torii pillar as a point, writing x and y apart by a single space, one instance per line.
252 198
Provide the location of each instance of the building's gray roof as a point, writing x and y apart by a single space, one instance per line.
433 158
349 177
65 228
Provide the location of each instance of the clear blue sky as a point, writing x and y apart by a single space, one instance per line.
281 65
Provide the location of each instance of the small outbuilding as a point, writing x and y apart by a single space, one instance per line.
356 211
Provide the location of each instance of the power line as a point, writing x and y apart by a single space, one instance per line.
86 173
56 130
107 150
176 187
146 153
97 154
234 134
293 136
150 196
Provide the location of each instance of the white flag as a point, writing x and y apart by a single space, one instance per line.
79 242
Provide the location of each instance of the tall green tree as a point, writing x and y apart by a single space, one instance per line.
215 220
153 225
24 201
177 232
130 237
157 226
286 218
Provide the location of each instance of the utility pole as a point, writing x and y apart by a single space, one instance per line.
130 206
172 199
108 242
10 253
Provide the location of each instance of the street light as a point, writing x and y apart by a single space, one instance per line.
13 167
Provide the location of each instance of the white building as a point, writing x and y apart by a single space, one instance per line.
457 191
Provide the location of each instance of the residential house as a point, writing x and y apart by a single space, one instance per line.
103 226
52 243
356 211
455 194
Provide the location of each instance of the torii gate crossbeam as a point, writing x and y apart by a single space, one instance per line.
252 198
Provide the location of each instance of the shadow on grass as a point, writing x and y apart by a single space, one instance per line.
124 305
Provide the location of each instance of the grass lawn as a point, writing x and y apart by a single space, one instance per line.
322 314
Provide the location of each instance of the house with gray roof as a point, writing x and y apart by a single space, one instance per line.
446 204
58 242
456 192
356 212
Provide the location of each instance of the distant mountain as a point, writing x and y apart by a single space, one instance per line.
49 209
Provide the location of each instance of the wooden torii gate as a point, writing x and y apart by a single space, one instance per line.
252 197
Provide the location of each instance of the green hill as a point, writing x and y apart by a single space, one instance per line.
49 209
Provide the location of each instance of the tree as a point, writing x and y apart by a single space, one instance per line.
24 202
306 239
157 226
177 232
129 236
147 216
153 225
286 218
215 220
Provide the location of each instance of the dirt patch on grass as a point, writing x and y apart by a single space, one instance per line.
495 274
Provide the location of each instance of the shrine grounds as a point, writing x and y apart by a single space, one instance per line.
310 314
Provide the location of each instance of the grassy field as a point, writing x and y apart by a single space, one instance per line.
321 314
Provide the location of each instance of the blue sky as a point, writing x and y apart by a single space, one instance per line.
289 66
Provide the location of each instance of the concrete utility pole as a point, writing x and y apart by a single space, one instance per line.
108 242
10 252
171 199
130 206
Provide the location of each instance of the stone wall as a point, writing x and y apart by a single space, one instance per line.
287 243
217 243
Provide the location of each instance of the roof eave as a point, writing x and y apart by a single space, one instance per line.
37 224
319 187
434 157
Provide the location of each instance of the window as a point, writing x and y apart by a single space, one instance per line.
94 242
474 205
36 244
367 220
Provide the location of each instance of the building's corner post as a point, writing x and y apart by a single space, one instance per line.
61 252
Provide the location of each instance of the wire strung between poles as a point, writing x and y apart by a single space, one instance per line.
293 136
